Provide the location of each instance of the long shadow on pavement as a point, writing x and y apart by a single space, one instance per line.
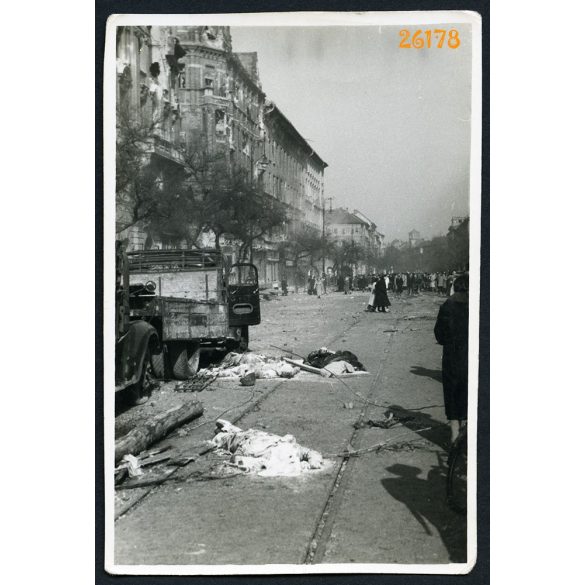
432 374
426 501
419 422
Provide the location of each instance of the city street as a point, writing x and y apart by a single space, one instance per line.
381 506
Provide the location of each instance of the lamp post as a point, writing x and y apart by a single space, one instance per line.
323 234
260 166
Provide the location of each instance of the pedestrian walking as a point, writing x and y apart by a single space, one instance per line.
346 285
381 300
452 331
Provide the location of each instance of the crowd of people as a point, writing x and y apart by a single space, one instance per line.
408 283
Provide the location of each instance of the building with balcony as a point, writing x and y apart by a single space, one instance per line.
196 89
148 123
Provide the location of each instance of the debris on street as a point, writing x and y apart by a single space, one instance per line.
306 368
132 465
197 383
328 363
248 379
324 357
141 437
265 454
386 423
240 365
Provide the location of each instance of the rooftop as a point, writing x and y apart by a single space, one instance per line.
343 216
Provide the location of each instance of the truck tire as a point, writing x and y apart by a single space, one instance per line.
184 360
157 360
143 388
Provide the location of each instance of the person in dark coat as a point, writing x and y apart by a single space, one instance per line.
381 300
452 332
399 284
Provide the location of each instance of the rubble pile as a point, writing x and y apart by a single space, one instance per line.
264 454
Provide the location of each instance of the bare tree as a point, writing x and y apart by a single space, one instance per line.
227 201
347 254
305 246
146 191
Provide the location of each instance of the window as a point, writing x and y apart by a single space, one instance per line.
220 122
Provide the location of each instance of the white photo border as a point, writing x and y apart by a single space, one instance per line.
281 19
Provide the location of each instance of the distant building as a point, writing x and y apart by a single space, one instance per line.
414 238
354 227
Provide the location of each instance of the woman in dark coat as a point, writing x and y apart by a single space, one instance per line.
452 332
381 300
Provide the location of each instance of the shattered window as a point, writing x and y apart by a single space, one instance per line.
220 122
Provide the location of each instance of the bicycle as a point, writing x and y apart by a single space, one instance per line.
457 473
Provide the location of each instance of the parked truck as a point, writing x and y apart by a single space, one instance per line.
182 301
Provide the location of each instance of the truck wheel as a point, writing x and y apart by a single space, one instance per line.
184 360
143 388
157 360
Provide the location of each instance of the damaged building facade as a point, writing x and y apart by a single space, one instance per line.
193 88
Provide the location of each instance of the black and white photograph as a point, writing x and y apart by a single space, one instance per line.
292 219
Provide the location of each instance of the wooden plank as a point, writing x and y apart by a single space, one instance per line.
321 372
196 285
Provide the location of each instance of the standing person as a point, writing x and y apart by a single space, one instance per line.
399 284
448 285
381 300
433 282
441 283
346 285
452 331
372 298
319 286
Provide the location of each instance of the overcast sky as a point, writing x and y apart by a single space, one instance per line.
393 124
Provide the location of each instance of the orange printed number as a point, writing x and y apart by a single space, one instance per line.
404 44
417 41
441 33
453 41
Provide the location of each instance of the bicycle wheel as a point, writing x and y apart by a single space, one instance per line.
457 476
